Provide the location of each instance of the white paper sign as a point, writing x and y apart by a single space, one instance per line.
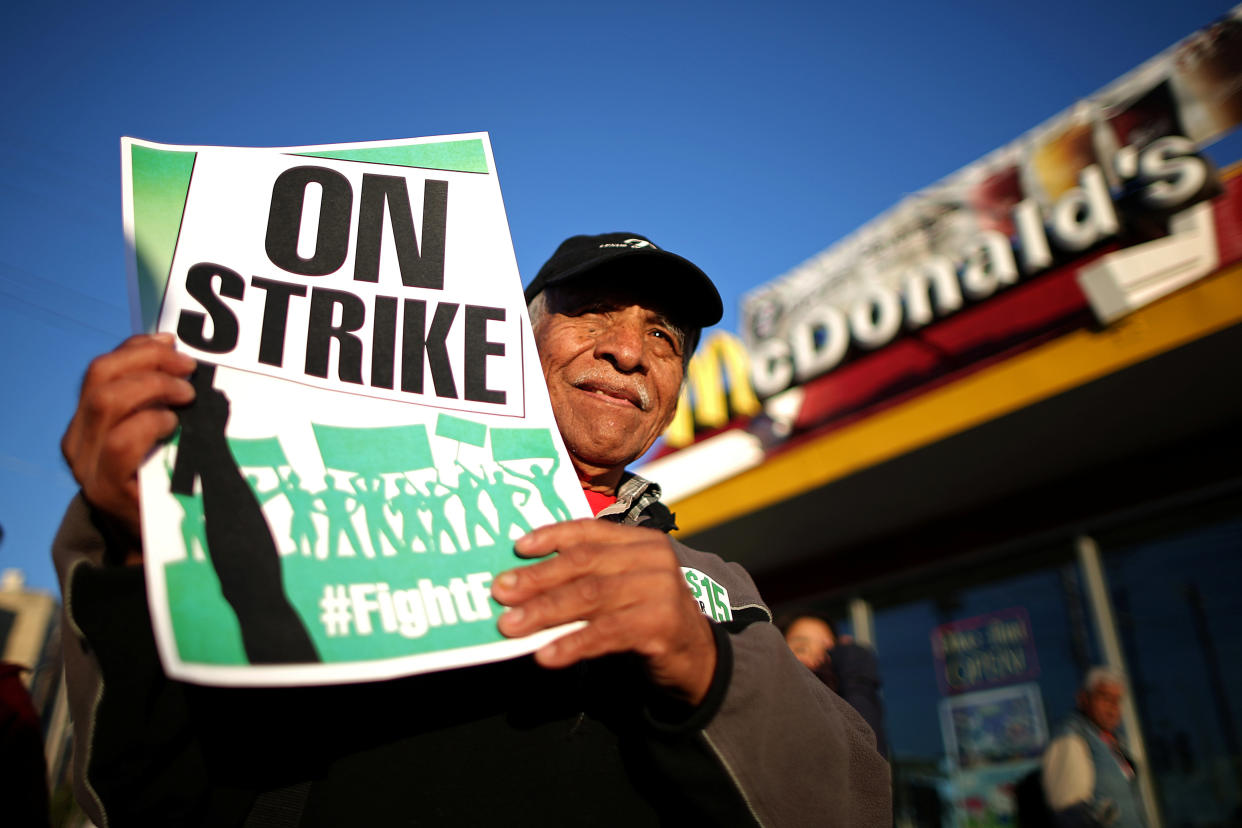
371 431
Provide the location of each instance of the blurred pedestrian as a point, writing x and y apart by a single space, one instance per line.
1089 778
849 669
23 770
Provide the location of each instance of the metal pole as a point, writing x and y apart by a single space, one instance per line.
1110 642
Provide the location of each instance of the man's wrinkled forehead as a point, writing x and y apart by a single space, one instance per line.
1107 690
574 296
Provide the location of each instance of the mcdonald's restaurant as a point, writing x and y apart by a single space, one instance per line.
996 435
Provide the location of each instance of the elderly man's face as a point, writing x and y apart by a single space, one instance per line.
613 362
1103 705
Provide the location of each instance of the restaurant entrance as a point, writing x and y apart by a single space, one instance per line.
980 660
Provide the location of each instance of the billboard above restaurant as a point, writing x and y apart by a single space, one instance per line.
1119 171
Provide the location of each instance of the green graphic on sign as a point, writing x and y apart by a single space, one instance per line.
522 443
463 431
351 599
458 156
374 451
204 625
160 183
258 452
353 607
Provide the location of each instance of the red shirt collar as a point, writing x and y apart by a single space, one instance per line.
598 501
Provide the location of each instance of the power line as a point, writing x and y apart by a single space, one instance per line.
59 316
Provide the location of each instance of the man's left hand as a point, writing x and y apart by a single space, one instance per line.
626 584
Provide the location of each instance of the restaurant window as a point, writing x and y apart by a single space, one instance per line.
1175 583
978 667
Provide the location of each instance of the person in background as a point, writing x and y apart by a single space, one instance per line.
1089 778
23 771
847 668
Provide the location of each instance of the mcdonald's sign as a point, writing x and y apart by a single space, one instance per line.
717 389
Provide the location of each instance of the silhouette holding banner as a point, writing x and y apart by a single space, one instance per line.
469 490
409 503
510 444
462 431
440 526
239 542
373 496
339 505
368 453
302 529
508 515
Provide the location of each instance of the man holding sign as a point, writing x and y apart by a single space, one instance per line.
664 704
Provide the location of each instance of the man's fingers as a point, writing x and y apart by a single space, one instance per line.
105 408
625 583
578 561
123 411
582 598
611 633
142 371
129 443
111 484
557 536
143 352
123 396
594 597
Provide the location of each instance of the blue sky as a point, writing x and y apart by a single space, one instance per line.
747 137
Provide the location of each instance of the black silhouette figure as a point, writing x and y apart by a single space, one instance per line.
239 542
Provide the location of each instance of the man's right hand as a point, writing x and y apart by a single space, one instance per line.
123 411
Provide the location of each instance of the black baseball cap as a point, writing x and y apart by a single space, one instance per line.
634 258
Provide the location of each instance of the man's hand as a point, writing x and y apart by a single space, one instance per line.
123 411
625 582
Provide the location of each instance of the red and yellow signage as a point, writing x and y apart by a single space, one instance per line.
1031 272
1119 168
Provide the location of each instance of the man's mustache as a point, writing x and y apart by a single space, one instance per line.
598 378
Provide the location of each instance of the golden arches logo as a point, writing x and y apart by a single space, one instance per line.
718 386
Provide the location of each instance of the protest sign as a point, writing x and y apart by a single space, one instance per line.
371 430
